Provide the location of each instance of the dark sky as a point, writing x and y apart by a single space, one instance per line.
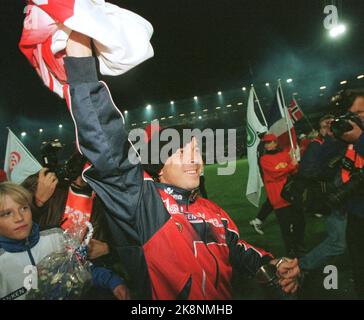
201 46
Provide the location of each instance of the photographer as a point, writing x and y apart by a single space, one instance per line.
316 172
352 177
349 144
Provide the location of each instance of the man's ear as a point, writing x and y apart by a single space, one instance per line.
160 173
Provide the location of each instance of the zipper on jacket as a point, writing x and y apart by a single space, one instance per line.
208 249
29 252
216 263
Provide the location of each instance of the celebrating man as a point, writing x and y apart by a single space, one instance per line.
173 244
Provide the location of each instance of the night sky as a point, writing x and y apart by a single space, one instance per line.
201 46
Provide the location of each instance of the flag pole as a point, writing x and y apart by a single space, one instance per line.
280 90
304 115
260 107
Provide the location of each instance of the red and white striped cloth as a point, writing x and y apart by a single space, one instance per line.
121 37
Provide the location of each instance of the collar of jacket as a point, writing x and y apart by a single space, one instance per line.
11 245
275 151
182 196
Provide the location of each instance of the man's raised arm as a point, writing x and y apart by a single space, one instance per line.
102 138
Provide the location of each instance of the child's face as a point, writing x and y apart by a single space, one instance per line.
15 220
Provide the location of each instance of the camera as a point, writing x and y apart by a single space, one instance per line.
49 153
341 124
66 171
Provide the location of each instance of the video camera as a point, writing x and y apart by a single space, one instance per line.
341 102
67 171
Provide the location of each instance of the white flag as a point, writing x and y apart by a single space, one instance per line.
254 127
19 162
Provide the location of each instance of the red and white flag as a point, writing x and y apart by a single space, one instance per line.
280 123
19 162
295 111
121 38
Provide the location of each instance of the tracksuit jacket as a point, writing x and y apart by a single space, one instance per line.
173 244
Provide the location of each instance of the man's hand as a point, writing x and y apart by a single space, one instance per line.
47 183
353 135
121 292
288 271
97 249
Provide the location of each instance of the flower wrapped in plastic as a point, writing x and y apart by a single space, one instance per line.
66 274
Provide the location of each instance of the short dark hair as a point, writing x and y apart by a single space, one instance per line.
344 99
326 117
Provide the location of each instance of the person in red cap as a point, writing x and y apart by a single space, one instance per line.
276 165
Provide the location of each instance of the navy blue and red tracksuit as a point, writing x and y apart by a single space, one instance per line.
172 244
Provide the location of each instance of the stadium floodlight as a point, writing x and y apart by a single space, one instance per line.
267 84
126 112
360 76
148 107
40 130
243 88
289 80
219 93
337 31
195 97
172 102
343 82
322 87
23 134
60 126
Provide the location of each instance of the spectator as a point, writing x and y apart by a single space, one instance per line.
57 204
21 243
276 166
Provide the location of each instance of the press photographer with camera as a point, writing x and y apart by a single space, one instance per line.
315 176
348 128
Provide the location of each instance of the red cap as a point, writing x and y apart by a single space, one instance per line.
269 137
3 177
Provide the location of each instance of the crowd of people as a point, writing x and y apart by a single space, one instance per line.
327 181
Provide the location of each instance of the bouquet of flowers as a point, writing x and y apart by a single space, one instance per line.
65 275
